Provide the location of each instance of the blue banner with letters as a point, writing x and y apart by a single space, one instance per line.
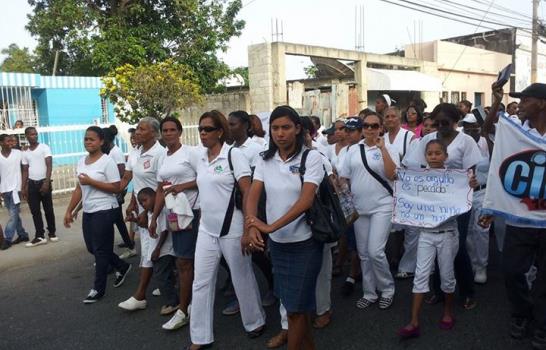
516 185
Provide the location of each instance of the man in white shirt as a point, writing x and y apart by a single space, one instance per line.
37 166
10 186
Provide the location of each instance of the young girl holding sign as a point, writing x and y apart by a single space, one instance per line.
441 242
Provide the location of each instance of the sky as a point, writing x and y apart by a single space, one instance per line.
329 23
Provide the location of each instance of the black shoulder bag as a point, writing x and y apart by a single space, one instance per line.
325 217
382 181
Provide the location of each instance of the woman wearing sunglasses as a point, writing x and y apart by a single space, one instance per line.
370 167
463 153
220 229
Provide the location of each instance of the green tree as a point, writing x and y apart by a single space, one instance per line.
94 37
243 72
154 90
17 60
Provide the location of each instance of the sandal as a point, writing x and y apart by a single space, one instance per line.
323 320
278 340
469 303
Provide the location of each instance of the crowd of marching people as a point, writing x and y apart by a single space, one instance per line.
244 197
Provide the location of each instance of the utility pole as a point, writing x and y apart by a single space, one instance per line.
534 54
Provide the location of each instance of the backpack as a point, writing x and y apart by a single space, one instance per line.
325 217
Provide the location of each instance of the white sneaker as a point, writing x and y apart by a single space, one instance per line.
156 292
36 242
179 319
481 276
132 304
53 238
128 254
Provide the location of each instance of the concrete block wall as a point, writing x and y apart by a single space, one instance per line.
260 76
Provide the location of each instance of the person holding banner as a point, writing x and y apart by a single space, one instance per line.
439 242
463 153
516 191
370 168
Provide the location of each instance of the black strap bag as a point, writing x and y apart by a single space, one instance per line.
325 217
382 181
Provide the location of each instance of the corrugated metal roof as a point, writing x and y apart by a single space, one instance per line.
49 82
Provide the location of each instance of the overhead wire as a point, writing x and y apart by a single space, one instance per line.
502 8
467 7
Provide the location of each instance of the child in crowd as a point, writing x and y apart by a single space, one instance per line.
440 242
157 259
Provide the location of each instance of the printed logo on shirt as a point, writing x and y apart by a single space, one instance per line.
218 169
147 164
376 155
294 169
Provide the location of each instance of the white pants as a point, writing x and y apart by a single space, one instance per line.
477 241
323 289
371 233
409 259
208 252
432 245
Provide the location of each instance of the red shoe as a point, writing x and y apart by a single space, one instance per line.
446 325
411 332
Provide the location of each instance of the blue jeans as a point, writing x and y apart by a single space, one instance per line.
14 223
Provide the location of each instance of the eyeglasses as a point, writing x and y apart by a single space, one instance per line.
207 129
371 126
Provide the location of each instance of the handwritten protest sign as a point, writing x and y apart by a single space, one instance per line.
429 197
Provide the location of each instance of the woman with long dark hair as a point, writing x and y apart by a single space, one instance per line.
295 255
98 182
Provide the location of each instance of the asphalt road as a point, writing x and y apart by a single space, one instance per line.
41 308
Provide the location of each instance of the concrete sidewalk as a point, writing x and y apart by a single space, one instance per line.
70 240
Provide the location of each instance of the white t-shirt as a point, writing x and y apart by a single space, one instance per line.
398 143
117 155
10 171
177 169
251 150
145 165
482 168
283 188
336 159
370 196
104 170
149 243
462 152
35 159
215 182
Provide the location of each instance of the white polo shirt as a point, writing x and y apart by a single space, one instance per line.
35 159
215 182
462 152
370 196
177 169
104 170
117 155
398 143
145 165
251 150
10 171
283 188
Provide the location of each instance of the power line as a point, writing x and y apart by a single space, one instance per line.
464 47
466 7
438 15
443 11
502 8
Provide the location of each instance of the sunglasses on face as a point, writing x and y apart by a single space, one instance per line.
371 126
207 129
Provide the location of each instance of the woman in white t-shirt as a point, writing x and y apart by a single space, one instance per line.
98 183
463 153
371 186
295 255
220 230
176 176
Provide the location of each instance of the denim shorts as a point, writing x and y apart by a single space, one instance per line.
295 270
184 241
